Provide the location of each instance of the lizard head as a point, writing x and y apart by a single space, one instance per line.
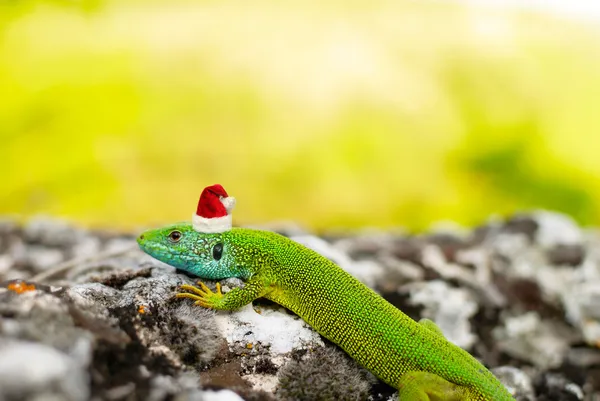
205 255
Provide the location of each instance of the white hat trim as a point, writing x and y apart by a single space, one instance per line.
212 225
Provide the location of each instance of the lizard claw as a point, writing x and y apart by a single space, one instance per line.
203 295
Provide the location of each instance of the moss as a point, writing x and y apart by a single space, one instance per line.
325 374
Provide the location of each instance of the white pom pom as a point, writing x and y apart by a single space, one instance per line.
229 203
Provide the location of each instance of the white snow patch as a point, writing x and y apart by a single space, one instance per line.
221 395
281 331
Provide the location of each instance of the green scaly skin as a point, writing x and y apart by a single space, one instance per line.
413 357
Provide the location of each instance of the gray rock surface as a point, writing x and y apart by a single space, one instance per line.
85 315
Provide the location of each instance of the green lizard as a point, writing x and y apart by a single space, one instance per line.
413 357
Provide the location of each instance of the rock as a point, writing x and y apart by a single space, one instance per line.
525 225
581 304
104 323
557 387
569 255
50 232
6 262
518 382
450 308
325 374
542 343
409 249
556 229
30 370
8 226
40 258
39 317
448 243
86 246
584 357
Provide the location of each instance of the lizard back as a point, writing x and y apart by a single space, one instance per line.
375 333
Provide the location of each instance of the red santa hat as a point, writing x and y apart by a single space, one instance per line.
213 214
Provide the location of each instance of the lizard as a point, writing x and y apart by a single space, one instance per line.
413 357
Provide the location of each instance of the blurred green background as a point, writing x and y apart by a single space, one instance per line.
344 114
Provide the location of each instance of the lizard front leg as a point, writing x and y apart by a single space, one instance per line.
234 299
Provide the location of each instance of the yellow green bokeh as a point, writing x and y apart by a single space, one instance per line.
349 114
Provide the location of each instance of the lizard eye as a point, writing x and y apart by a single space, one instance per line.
174 236
217 251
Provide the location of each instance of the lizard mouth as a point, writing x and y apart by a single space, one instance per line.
142 242
159 251
150 247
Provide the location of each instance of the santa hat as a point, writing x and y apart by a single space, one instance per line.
213 214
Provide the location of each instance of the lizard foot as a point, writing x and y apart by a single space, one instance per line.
203 295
